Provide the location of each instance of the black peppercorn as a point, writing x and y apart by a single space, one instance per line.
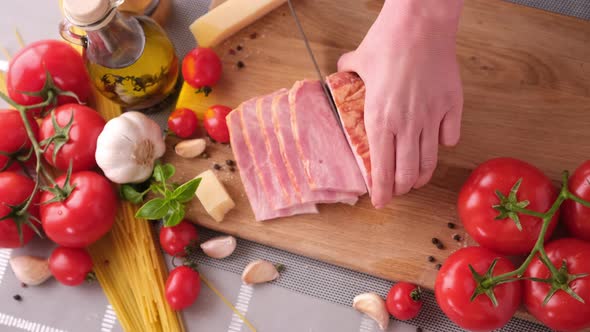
438 266
17 297
435 240
240 64
232 169
230 162
440 246
239 47
431 259
457 237
217 166
451 225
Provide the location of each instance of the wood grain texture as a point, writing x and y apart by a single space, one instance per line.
526 77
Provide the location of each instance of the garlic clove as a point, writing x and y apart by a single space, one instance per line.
30 270
219 247
373 306
258 272
191 148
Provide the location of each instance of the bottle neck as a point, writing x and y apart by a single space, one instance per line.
118 44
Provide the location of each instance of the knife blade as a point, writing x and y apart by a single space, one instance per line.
315 64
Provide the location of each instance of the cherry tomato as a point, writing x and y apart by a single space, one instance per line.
183 123
455 285
27 73
15 189
15 143
562 312
478 195
182 287
85 215
576 216
79 142
215 123
70 266
404 301
201 68
174 239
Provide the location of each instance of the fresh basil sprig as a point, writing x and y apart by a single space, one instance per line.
170 206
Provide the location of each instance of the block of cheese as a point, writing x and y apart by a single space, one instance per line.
197 102
213 196
229 18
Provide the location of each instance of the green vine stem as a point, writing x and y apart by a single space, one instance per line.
557 274
39 169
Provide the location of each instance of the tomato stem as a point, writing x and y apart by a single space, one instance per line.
559 277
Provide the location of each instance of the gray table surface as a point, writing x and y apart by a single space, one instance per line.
309 296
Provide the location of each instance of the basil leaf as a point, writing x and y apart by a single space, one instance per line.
129 193
163 172
174 217
155 209
186 192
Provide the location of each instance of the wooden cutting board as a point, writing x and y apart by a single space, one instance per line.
526 77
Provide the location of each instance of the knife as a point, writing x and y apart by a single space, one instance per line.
315 64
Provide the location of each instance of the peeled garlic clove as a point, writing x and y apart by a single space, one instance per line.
373 306
191 148
219 247
258 272
30 270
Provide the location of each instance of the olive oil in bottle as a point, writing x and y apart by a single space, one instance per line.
129 58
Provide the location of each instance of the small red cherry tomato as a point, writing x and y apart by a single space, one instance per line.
182 287
70 266
404 300
176 238
215 123
201 68
183 123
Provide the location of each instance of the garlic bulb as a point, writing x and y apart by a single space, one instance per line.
128 146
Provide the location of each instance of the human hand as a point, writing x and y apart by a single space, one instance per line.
414 96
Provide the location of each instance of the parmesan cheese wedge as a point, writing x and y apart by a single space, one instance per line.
213 196
228 18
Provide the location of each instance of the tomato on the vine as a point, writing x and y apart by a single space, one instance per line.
562 312
183 123
182 287
201 68
80 216
28 68
15 189
478 196
404 300
576 216
175 239
455 285
15 145
70 266
77 130
215 123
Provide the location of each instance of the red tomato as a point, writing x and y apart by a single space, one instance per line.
70 266
28 67
183 123
215 123
576 216
404 301
15 143
14 190
80 139
201 68
174 239
562 312
454 287
182 287
478 195
85 215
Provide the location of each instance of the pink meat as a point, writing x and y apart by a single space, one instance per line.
257 196
348 91
327 159
281 118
